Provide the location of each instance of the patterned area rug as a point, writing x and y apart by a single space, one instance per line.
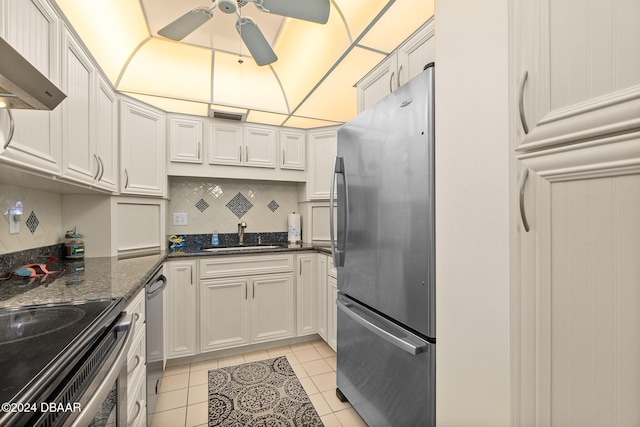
266 393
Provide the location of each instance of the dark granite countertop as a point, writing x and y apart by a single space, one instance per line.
197 251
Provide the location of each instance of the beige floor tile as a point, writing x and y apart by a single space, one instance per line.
172 400
321 405
324 349
317 367
291 357
330 420
171 418
174 382
333 401
349 417
325 382
299 370
256 355
198 394
236 359
333 362
301 346
307 355
309 386
197 414
279 351
205 364
177 369
198 377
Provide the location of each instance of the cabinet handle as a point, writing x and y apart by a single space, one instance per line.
240 153
299 267
399 72
523 213
138 360
283 157
12 125
139 406
101 168
253 290
126 176
246 153
95 177
199 143
191 276
246 291
391 82
523 118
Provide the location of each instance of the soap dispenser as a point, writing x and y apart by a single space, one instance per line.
215 239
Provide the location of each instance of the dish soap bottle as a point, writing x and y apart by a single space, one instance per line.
74 244
215 239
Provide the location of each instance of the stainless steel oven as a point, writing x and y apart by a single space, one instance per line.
69 364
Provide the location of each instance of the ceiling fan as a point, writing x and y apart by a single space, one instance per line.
262 52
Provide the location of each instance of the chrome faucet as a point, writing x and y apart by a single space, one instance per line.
241 227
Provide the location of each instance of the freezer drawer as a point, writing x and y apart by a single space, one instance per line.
386 372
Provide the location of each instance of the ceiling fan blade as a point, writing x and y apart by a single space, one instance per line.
186 24
309 10
255 41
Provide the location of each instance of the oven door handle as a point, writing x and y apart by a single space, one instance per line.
91 407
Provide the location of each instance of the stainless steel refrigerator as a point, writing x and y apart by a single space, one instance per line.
384 252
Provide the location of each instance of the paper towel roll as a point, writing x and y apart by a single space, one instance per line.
293 227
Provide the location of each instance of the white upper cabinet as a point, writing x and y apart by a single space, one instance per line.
578 70
226 144
78 113
185 139
259 146
33 29
322 149
292 146
106 128
398 68
142 149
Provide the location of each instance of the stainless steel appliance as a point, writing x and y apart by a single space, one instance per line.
67 364
385 258
155 343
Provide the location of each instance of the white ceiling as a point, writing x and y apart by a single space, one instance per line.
311 84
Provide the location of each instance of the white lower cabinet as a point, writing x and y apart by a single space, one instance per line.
332 313
306 294
136 364
225 313
321 301
272 307
180 309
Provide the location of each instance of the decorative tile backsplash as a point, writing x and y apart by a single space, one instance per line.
41 223
220 204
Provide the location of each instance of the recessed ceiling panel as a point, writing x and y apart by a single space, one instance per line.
307 123
359 13
306 52
246 85
266 118
336 98
111 30
169 69
174 105
398 23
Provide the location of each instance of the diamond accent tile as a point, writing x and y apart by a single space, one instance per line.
202 205
216 191
273 205
239 205
32 222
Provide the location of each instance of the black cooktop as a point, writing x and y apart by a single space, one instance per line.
33 339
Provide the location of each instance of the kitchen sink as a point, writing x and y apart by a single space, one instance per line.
238 248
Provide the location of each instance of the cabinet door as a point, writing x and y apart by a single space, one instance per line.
142 149
321 301
33 29
415 53
323 146
225 144
582 65
224 313
260 146
181 310
107 136
78 79
185 140
292 145
380 82
306 293
271 307
332 313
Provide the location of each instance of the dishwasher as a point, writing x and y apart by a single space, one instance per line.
156 359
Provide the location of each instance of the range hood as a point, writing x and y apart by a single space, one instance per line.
22 86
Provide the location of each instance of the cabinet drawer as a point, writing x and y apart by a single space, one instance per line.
137 402
136 356
245 265
333 271
136 308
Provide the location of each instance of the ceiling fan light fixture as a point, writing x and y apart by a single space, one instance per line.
228 6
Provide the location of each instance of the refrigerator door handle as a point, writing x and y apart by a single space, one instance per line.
402 343
338 251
